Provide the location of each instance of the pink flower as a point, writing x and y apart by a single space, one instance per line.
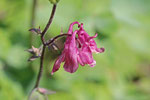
77 50
86 39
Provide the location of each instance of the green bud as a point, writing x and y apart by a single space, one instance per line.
54 1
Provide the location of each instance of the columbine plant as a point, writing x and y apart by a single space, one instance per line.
78 49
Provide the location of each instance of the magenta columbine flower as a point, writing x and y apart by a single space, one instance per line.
78 49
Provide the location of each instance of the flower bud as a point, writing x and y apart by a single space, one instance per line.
54 1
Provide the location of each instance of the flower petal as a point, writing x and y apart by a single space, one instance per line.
71 54
70 31
80 61
92 64
86 55
57 64
100 50
92 37
71 65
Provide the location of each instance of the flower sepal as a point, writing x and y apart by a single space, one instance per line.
36 53
54 1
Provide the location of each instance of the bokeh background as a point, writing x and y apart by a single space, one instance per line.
121 73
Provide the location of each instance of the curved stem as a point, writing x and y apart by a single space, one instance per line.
49 23
41 68
44 46
53 39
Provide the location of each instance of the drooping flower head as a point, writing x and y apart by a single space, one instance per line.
77 50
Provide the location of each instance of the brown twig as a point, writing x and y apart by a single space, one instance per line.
48 24
44 46
55 38
41 68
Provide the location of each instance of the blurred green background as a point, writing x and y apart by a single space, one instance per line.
121 73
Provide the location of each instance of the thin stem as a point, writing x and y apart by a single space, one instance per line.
41 68
53 39
49 23
43 42
44 46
